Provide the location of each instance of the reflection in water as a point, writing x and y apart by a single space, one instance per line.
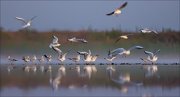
55 82
123 79
62 70
151 70
88 70
84 80
110 71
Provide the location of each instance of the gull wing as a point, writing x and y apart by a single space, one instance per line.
33 18
57 50
21 19
123 5
110 13
55 39
117 51
118 39
135 47
156 51
149 53
154 31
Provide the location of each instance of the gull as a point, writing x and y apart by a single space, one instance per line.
93 58
123 37
146 30
62 57
74 39
26 23
48 57
41 59
26 59
75 59
87 56
33 59
11 59
151 56
54 43
118 10
122 51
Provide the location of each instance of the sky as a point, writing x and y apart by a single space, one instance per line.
80 15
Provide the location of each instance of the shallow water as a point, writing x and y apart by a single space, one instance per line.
91 80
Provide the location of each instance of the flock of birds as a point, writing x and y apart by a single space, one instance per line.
87 56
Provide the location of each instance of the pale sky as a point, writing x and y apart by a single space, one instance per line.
79 14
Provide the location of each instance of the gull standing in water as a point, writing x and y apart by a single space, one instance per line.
26 59
26 23
122 51
123 37
151 56
62 57
48 58
146 30
33 59
74 39
118 10
11 59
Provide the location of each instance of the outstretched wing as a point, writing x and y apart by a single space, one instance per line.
149 53
21 19
57 50
123 5
117 40
110 13
118 51
135 47
156 51
55 39
33 18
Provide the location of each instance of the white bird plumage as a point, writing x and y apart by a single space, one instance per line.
26 23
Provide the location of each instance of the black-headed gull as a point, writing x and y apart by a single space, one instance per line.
146 30
152 56
26 23
123 37
74 39
122 51
118 10
11 59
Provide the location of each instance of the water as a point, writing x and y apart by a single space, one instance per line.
91 80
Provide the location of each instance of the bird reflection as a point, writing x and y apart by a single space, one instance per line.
88 70
62 70
123 79
110 71
151 70
55 82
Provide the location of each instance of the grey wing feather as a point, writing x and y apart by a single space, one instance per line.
123 5
21 19
110 13
55 39
149 53
135 47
